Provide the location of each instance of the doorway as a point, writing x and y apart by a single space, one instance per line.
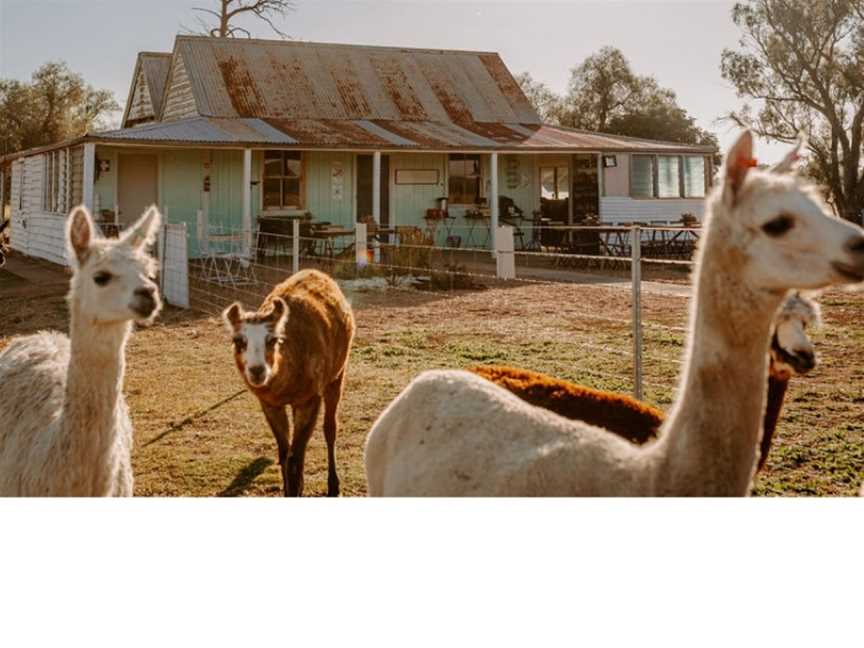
586 188
364 188
138 186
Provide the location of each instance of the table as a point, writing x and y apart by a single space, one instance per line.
475 217
327 236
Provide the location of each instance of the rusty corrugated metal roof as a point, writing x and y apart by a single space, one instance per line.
296 80
384 135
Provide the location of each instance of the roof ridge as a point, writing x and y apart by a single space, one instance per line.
272 41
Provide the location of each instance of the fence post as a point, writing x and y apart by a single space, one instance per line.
360 245
505 257
636 278
295 246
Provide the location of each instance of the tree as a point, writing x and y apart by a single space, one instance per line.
605 95
801 64
542 98
229 11
55 105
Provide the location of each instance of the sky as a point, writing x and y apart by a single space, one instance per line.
678 42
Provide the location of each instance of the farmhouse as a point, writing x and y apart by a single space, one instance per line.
236 133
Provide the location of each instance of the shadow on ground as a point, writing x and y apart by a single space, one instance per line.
245 477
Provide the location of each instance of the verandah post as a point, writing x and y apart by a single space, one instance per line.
636 278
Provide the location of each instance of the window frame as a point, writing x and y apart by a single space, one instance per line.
556 180
301 180
52 203
464 157
655 169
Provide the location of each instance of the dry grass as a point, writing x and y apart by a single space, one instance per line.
199 434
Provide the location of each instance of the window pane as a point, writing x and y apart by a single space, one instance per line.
272 194
291 193
547 183
272 164
694 176
642 180
668 178
563 183
292 168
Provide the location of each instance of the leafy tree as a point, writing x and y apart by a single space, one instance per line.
545 101
228 12
801 65
55 105
605 95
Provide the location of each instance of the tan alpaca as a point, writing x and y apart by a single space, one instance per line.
294 351
792 353
765 233
64 424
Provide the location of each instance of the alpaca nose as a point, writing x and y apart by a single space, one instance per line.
856 245
145 291
805 361
256 373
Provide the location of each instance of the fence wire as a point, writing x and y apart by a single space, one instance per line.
236 265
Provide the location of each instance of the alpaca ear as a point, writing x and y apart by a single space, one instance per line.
143 233
232 316
739 161
789 163
79 234
279 314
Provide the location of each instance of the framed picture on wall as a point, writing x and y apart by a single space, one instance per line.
417 176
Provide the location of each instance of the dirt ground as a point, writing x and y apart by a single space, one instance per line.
198 433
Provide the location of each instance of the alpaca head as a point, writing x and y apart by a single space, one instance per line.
792 350
112 280
775 231
256 337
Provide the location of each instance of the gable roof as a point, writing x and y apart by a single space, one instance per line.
156 66
233 77
151 69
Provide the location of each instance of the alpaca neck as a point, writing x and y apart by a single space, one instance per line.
94 385
709 443
776 393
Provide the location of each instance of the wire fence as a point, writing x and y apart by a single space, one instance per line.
643 352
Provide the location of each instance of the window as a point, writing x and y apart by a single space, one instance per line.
51 190
464 178
283 176
642 176
668 176
555 183
694 176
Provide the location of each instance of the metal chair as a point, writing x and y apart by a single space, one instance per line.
228 261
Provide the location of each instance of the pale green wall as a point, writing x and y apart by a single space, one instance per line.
410 202
320 200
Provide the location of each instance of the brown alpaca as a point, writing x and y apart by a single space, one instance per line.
294 351
791 353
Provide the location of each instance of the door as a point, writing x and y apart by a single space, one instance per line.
138 186
586 188
364 188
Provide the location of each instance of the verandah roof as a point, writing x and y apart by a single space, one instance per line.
382 134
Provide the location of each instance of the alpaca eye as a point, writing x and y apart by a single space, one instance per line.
778 226
240 342
102 278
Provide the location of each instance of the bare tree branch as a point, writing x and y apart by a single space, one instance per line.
267 11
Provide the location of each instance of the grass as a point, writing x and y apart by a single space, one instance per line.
198 433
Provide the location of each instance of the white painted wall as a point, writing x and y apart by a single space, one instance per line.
620 209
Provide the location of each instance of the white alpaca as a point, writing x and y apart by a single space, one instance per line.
766 232
64 424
